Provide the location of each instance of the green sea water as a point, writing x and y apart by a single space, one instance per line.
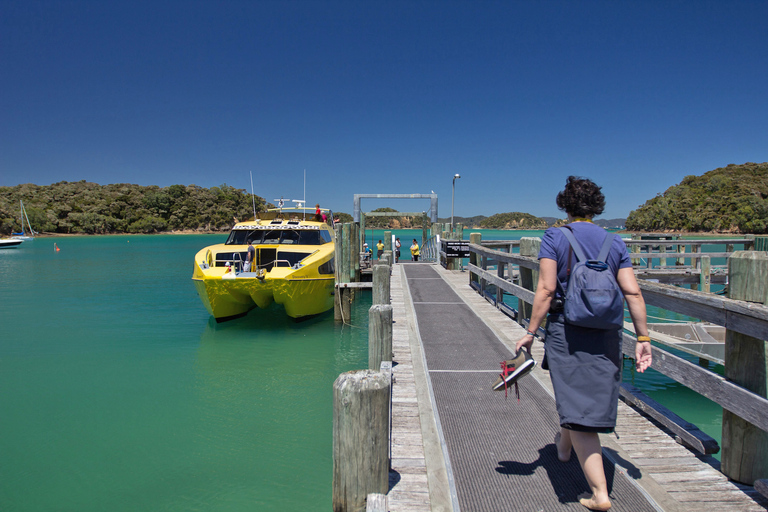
118 392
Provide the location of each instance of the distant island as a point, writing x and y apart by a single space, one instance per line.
88 208
731 199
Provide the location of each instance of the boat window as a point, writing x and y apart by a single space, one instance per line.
241 237
292 257
326 268
279 236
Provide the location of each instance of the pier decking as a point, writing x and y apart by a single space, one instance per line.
456 445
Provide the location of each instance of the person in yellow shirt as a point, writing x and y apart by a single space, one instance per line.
415 251
379 249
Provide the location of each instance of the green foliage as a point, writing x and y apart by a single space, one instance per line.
394 222
513 220
729 199
344 217
82 207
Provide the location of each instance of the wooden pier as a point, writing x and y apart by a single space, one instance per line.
648 462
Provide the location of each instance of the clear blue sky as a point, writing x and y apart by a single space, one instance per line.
384 97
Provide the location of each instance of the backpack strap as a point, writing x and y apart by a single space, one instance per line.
607 243
572 240
604 250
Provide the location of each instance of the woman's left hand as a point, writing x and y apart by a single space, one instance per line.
643 358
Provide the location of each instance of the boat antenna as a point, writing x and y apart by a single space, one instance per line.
253 199
305 194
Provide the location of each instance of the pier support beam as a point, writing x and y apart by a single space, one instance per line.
746 363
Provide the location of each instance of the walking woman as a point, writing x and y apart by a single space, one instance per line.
584 363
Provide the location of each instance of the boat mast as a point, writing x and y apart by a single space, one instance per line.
24 215
253 199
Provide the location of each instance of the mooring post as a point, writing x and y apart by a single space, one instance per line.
474 238
705 275
377 503
354 240
746 363
379 335
635 249
695 262
387 240
360 438
337 291
381 284
342 303
529 246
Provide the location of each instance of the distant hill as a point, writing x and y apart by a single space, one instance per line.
513 220
465 221
731 199
90 208
610 223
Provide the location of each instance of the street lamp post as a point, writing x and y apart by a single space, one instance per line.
453 194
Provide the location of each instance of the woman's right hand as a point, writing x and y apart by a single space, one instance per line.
525 342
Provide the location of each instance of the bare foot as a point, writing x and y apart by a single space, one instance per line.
562 457
591 504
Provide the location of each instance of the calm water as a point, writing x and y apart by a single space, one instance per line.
119 393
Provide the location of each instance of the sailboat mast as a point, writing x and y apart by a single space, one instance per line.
253 199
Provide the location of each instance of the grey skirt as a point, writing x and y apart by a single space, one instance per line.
585 368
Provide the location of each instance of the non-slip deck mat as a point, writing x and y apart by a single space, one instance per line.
501 452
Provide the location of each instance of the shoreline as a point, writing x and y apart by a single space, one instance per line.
719 234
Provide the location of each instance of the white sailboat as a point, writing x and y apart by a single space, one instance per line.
24 235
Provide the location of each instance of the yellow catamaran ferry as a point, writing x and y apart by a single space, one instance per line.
293 265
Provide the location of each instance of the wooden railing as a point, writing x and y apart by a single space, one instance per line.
746 318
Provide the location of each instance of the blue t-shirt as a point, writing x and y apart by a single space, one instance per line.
555 246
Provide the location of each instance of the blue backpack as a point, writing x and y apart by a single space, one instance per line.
593 298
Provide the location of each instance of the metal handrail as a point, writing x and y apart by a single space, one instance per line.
430 250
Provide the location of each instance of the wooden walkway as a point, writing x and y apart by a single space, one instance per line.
674 478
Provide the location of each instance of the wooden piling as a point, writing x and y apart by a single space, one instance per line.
377 503
354 251
379 335
474 238
381 284
342 304
529 246
360 438
745 447
705 276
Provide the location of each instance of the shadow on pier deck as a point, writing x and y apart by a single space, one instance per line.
491 453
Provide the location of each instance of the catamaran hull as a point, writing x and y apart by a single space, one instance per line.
231 298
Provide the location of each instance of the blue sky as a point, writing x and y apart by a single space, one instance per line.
384 97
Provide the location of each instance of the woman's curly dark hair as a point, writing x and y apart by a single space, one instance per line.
581 198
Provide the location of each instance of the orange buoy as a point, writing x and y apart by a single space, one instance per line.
56 247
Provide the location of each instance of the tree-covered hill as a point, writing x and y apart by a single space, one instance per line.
729 199
513 220
393 222
83 207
